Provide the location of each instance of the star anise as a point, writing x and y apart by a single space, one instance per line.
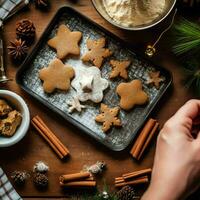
17 49
42 4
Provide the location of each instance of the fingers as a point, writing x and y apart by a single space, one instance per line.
190 109
182 121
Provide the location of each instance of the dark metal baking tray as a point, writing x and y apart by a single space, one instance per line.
118 138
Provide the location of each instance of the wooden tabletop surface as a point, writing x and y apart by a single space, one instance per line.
84 150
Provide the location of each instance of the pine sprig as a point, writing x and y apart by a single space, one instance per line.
187 36
187 43
191 70
98 195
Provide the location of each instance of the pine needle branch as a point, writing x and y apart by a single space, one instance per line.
187 37
191 70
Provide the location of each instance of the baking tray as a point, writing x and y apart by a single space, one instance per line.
118 138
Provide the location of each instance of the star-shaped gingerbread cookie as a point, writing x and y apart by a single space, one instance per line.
74 104
65 42
108 117
131 94
119 68
56 76
97 52
155 79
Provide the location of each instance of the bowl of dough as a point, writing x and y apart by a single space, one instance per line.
14 118
134 14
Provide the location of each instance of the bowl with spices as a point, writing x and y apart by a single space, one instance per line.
14 118
134 14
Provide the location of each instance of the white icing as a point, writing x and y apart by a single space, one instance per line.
98 84
86 83
74 104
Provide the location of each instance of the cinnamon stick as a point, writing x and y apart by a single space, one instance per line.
74 177
119 180
136 174
54 137
144 138
138 181
147 142
48 140
49 136
79 184
91 178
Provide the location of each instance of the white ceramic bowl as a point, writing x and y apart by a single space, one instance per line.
19 104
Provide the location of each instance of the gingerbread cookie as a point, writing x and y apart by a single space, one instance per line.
155 79
56 76
65 42
131 94
97 52
75 104
108 117
89 84
119 68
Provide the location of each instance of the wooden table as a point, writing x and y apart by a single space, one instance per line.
84 150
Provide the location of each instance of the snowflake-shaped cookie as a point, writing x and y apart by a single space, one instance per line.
97 52
89 84
108 117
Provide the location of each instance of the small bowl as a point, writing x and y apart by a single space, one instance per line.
101 10
19 104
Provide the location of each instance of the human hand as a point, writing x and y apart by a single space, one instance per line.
176 170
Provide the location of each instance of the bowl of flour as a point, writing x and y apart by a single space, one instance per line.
134 14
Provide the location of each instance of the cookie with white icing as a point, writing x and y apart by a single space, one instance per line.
74 104
89 84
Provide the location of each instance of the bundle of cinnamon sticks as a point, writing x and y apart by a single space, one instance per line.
144 138
133 178
50 138
82 179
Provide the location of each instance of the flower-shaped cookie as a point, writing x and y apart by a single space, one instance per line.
97 52
131 94
65 42
88 84
108 117
56 76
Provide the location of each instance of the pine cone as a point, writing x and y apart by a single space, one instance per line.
42 4
25 30
17 49
19 177
40 180
126 193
